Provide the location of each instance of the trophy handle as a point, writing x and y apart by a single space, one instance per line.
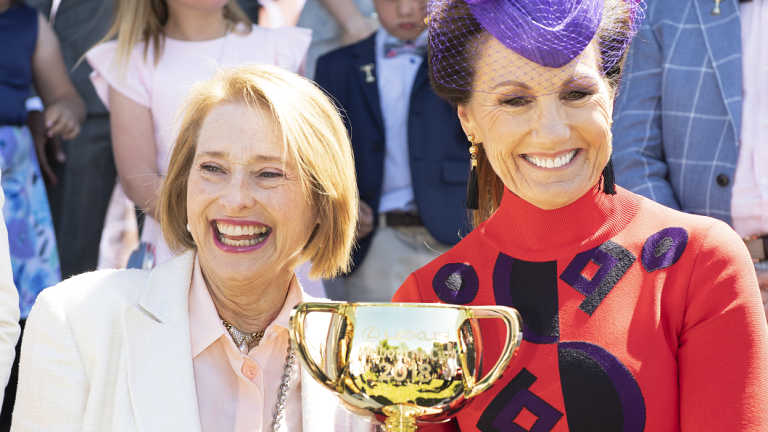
512 320
298 316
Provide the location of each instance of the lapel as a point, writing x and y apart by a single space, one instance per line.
723 40
160 374
422 76
367 77
416 147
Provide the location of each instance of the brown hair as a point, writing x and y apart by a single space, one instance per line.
313 135
614 31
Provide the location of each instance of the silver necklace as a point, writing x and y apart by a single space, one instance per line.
244 341
282 395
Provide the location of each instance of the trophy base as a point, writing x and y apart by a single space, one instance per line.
400 418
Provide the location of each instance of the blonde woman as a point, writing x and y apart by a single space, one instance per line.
162 48
200 343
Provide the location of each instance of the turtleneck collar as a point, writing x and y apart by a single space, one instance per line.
520 229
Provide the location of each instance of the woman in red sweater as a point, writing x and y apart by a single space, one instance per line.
636 317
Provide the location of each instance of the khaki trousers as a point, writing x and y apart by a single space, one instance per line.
394 254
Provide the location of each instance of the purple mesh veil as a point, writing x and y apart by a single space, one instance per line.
552 34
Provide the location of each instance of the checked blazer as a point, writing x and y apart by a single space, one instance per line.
677 119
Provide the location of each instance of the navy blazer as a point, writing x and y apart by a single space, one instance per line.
439 157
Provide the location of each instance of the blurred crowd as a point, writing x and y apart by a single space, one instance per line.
89 116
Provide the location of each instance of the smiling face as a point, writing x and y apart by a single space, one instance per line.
247 211
403 19
547 134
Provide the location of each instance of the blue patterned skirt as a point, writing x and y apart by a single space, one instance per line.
34 257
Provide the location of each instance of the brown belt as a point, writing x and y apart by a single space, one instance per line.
758 247
401 219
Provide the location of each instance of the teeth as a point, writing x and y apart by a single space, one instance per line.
551 162
241 243
240 230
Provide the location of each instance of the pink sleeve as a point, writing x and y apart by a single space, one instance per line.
132 81
291 45
723 345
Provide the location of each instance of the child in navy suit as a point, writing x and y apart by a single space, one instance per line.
410 153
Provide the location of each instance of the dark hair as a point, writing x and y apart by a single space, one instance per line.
613 34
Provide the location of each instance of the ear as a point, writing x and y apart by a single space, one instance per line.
465 118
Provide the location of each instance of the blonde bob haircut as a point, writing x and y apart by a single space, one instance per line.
313 135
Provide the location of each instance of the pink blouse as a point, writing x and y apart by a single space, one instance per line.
237 392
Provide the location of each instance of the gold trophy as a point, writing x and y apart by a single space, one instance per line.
407 362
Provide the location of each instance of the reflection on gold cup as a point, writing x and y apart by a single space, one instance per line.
408 362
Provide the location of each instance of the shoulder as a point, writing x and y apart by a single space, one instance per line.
454 276
340 55
658 11
652 214
102 57
288 45
26 12
100 292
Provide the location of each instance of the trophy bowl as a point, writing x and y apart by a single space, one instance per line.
406 363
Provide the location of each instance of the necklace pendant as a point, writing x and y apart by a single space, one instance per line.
243 346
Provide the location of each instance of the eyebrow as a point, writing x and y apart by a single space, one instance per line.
580 78
256 158
514 83
570 81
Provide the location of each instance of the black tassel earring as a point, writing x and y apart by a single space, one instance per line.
472 200
609 180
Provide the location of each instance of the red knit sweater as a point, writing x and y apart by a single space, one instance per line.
636 318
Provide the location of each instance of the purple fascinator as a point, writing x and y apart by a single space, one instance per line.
548 33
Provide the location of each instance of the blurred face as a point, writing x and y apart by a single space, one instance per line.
547 134
246 209
403 19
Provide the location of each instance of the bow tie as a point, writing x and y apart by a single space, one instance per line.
395 48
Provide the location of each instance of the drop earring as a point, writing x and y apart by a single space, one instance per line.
472 192
609 180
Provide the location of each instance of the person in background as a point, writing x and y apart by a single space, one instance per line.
34 59
691 119
636 317
9 306
80 173
410 153
200 342
336 23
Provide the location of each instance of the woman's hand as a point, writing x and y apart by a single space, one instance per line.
364 221
65 109
358 28
61 120
47 149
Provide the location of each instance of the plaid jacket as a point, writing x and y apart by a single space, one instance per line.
678 114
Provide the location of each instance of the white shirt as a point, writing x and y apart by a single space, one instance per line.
395 80
749 204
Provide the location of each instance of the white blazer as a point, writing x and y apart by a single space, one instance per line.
110 351
9 306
